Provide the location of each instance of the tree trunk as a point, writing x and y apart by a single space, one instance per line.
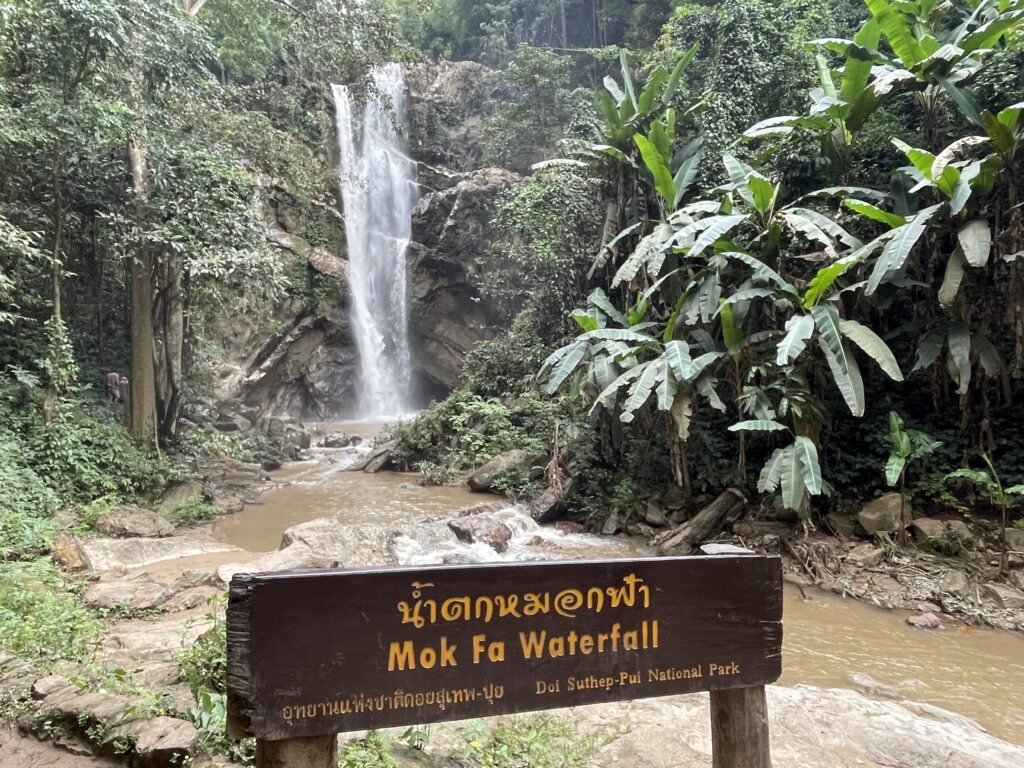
99 269
727 508
171 316
142 400
56 385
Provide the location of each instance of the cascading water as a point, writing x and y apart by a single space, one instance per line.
378 187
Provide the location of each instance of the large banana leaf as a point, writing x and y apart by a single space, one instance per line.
827 225
646 251
960 355
715 230
897 32
627 76
686 174
875 213
610 395
792 480
641 390
602 258
615 334
798 330
987 35
975 238
672 86
810 467
758 425
953 278
825 278
682 413
677 353
827 320
599 299
763 191
857 68
896 251
849 381
762 271
771 473
566 365
663 182
873 346
810 230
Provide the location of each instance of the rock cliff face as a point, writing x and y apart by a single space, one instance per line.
306 365
448 103
451 240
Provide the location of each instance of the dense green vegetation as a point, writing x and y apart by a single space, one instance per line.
799 237
771 244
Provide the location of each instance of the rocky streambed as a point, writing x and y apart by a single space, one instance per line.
851 674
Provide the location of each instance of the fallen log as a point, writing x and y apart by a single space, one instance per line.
550 505
723 511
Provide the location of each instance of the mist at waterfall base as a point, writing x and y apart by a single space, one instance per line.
378 187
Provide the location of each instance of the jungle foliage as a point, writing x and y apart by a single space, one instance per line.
781 299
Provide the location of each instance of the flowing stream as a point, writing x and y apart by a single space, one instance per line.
829 641
378 186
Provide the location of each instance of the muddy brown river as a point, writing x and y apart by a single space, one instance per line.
829 641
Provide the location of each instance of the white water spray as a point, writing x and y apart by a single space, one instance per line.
378 187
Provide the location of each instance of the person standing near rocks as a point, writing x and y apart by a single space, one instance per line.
113 380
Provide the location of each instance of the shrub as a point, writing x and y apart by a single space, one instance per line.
370 752
538 741
26 504
466 430
84 453
40 617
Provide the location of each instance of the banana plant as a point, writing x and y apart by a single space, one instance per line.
929 52
907 445
928 57
623 367
639 135
627 113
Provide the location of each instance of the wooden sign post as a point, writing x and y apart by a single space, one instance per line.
314 654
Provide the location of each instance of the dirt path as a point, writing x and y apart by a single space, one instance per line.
18 751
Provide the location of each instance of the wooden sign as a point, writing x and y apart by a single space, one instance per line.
317 653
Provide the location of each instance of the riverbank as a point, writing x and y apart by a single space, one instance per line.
159 597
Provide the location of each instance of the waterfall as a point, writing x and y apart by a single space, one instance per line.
378 187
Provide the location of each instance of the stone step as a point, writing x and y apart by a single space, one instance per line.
116 726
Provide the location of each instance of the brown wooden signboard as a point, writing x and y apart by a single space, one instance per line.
317 653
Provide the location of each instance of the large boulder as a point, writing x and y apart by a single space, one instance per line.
127 521
1003 596
306 371
339 440
955 582
516 460
1015 539
323 543
481 529
866 555
101 555
164 742
929 532
884 515
379 458
184 492
841 524
140 593
325 262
